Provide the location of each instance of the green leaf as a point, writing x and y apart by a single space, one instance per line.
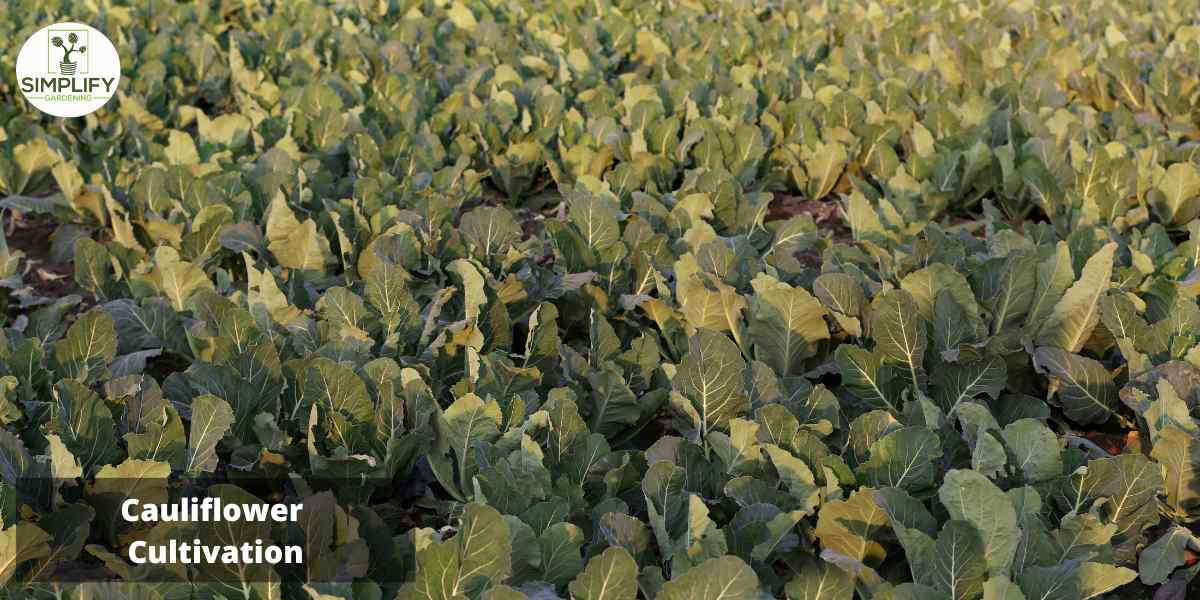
343 310
31 159
862 217
473 285
971 497
1034 449
92 266
181 149
959 568
1074 317
339 393
477 556
792 237
560 551
906 511
795 475
503 592
918 550
840 293
154 324
610 575
20 544
176 279
864 373
778 529
63 465
927 284
786 323
708 303
89 346
211 420
1179 188
612 405
1014 286
958 383
462 17
1160 559
1001 588
565 424
1073 580
666 503
490 229
903 459
511 482
85 424
1129 482
988 455
702 539
69 528
1054 276
710 377
819 580
823 165
230 129
843 296
1120 316
584 457
899 332
387 291
624 532
596 218
1168 410
1179 454
526 556
469 421
1085 388
724 578
296 244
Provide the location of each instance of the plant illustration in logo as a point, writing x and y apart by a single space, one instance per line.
66 65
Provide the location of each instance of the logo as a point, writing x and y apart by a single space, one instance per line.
68 70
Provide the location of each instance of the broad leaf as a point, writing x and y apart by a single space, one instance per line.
899 332
211 419
1074 317
1085 387
725 578
479 554
610 575
710 377
819 580
786 326
971 497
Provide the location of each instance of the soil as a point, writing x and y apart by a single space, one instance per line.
32 235
826 214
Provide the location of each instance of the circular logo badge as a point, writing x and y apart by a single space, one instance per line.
68 70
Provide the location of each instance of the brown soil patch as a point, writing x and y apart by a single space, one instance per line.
32 235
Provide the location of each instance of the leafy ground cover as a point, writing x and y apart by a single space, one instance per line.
612 299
